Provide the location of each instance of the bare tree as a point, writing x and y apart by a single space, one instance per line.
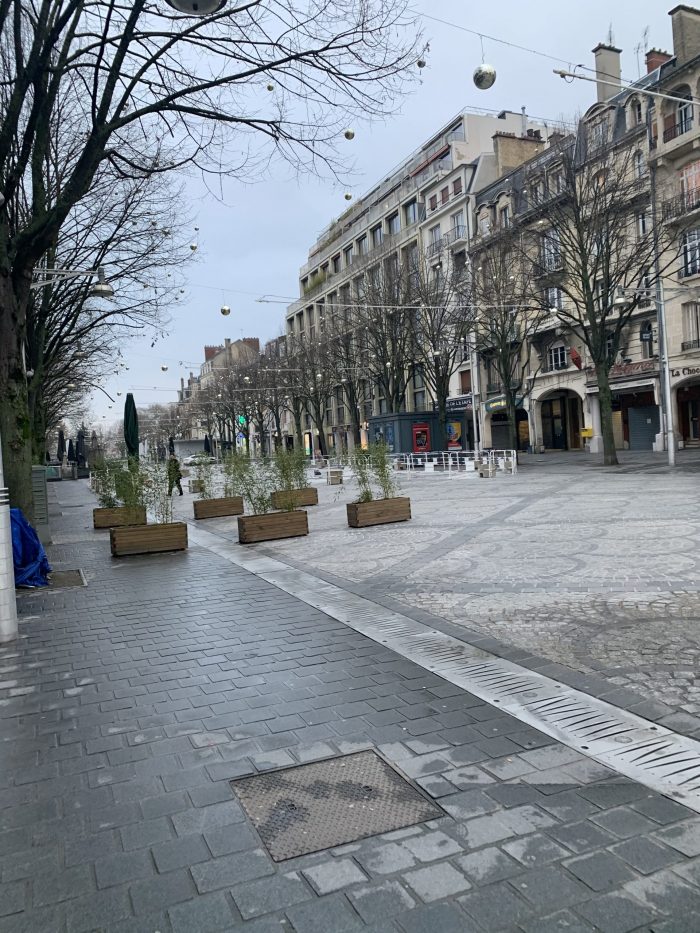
384 312
600 248
348 355
441 325
73 338
150 90
509 316
316 378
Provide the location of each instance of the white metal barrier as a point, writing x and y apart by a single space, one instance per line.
451 462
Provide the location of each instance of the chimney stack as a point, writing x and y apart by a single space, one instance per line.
685 23
608 71
655 58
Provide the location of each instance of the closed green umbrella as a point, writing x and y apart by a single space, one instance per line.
131 427
61 450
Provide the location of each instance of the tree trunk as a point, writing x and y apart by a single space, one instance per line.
38 418
318 421
606 422
512 422
441 439
15 424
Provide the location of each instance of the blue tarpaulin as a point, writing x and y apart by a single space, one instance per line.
30 560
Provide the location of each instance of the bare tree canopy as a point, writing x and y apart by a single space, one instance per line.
146 90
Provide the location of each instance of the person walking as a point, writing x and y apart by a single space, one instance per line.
174 474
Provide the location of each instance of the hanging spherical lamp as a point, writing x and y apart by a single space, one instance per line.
193 247
484 76
349 134
164 368
225 310
270 87
196 7
421 63
348 196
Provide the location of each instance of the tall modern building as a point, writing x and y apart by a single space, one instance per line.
423 205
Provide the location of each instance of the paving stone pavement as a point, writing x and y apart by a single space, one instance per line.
597 571
127 706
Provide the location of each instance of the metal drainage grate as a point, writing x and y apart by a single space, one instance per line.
641 750
328 803
62 578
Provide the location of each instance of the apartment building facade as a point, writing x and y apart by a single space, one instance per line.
423 206
560 408
480 174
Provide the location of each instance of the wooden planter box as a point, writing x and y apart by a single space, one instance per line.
148 539
378 512
216 508
300 497
271 527
114 518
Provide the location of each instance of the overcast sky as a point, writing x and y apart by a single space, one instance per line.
255 242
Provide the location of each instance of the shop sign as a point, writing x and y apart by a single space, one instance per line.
622 370
499 403
686 371
457 403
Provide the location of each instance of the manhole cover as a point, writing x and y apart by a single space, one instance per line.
60 578
329 803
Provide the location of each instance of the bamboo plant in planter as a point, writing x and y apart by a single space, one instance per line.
374 465
257 481
121 502
209 505
294 490
164 534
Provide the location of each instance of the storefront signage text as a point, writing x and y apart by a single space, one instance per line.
686 371
457 403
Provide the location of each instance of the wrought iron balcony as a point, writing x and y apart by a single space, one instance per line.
549 263
682 204
678 129
455 235
434 249
690 345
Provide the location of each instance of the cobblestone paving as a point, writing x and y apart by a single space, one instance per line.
127 706
597 570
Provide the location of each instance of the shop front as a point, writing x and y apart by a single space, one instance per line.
686 381
635 403
497 425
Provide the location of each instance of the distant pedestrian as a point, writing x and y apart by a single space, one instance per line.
174 474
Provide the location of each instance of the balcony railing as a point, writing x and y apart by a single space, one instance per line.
434 249
678 129
558 366
690 345
549 263
457 233
494 387
682 204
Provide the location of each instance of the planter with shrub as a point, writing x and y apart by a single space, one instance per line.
257 480
120 497
164 534
209 504
373 470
